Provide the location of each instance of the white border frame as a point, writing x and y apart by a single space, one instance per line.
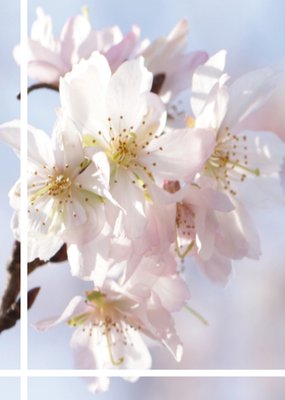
24 373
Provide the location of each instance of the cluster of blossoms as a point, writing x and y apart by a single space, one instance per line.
131 187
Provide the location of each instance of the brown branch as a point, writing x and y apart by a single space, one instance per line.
10 305
13 286
37 86
60 256
13 313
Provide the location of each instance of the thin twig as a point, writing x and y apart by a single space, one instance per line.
37 86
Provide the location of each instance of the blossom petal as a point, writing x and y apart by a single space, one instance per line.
204 78
206 197
95 178
164 56
91 350
39 144
99 258
73 34
265 152
117 54
238 237
39 147
43 246
173 292
179 154
76 306
133 203
90 260
42 28
177 76
249 92
83 90
45 71
67 143
206 227
215 109
91 219
158 53
161 325
218 268
159 232
101 41
123 97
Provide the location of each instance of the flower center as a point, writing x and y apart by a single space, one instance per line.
59 185
124 150
55 186
185 225
229 161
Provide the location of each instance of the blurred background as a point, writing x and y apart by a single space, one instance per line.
162 388
246 319
10 388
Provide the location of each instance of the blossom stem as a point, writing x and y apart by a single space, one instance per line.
196 314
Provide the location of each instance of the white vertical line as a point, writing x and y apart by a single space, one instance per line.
23 214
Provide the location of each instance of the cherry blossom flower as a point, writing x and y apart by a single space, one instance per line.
198 230
117 114
110 321
166 59
66 190
159 233
50 57
108 256
222 105
107 334
238 156
95 260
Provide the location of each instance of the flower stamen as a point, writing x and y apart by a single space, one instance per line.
109 344
229 161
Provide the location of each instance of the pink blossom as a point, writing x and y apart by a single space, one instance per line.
49 57
198 228
117 114
108 253
220 104
111 320
66 189
166 56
